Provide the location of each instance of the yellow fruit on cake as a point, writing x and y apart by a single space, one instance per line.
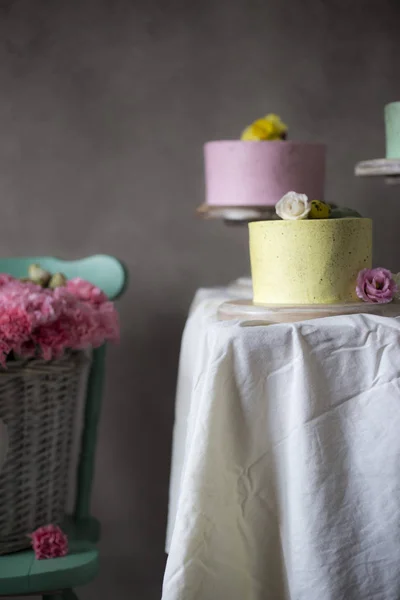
319 210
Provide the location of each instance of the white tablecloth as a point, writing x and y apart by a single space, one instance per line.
286 468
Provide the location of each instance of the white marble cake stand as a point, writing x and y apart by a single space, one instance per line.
266 314
389 168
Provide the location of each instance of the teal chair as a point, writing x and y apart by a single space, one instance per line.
20 573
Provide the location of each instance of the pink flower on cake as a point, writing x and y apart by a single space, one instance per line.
49 542
376 285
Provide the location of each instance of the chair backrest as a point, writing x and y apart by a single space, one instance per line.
110 275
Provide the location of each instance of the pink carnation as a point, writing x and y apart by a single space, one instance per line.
4 278
45 322
107 322
376 285
75 329
86 291
15 325
49 542
43 306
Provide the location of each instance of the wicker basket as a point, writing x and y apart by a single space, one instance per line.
38 402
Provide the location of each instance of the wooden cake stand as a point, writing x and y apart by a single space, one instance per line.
268 314
389 168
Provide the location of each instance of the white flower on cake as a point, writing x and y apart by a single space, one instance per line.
293 207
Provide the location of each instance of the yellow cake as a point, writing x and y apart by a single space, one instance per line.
309 261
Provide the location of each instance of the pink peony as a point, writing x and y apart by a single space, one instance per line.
49 542
376 285
86 291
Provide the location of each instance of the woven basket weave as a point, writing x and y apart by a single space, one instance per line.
38 402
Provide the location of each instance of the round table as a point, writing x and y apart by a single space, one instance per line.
285 475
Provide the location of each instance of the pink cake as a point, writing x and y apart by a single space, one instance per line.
244 173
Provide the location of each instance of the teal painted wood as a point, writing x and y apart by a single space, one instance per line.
76 569
102 270
20 573
89 436
14 573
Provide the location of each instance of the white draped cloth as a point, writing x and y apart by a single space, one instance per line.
285 480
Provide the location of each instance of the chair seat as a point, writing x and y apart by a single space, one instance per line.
21 573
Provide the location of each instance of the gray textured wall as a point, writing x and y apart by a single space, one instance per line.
104 107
